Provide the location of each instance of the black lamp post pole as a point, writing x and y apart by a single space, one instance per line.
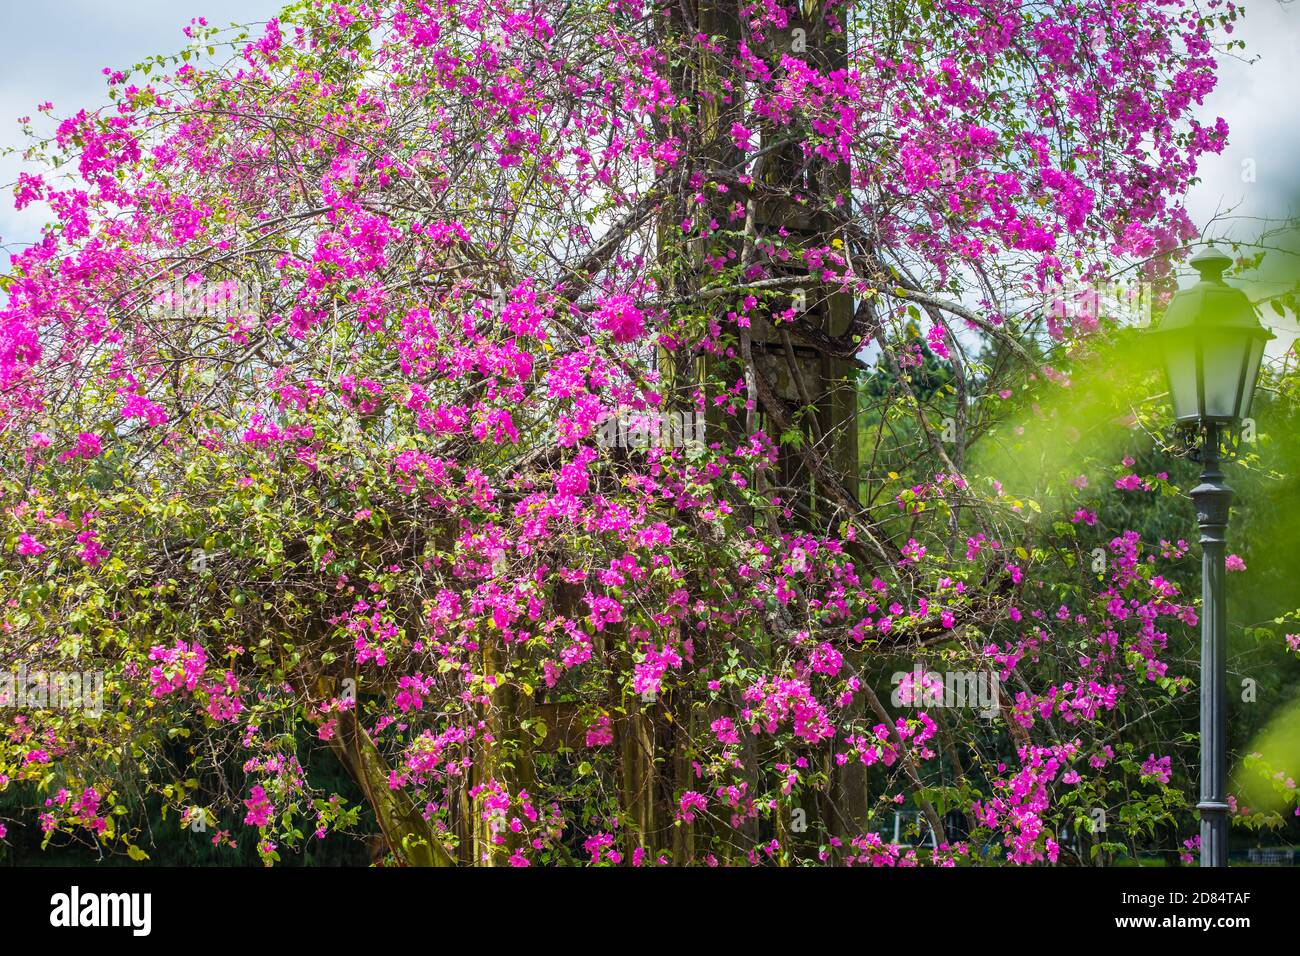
1213 497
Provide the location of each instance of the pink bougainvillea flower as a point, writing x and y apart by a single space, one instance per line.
619 316
600 733
259 807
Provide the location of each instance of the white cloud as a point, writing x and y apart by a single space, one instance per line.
1257 95
56 50
1259 102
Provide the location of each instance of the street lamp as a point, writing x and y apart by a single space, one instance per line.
1211 342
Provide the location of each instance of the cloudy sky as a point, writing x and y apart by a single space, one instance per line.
57 51
1257 95
1258 176
58 48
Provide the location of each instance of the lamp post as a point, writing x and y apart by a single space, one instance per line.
1211 342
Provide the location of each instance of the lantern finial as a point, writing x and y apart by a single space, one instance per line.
1211 264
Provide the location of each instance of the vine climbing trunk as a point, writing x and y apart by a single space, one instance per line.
409 836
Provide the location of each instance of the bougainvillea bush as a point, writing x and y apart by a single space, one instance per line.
314 396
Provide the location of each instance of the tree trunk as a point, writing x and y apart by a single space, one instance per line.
409 836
